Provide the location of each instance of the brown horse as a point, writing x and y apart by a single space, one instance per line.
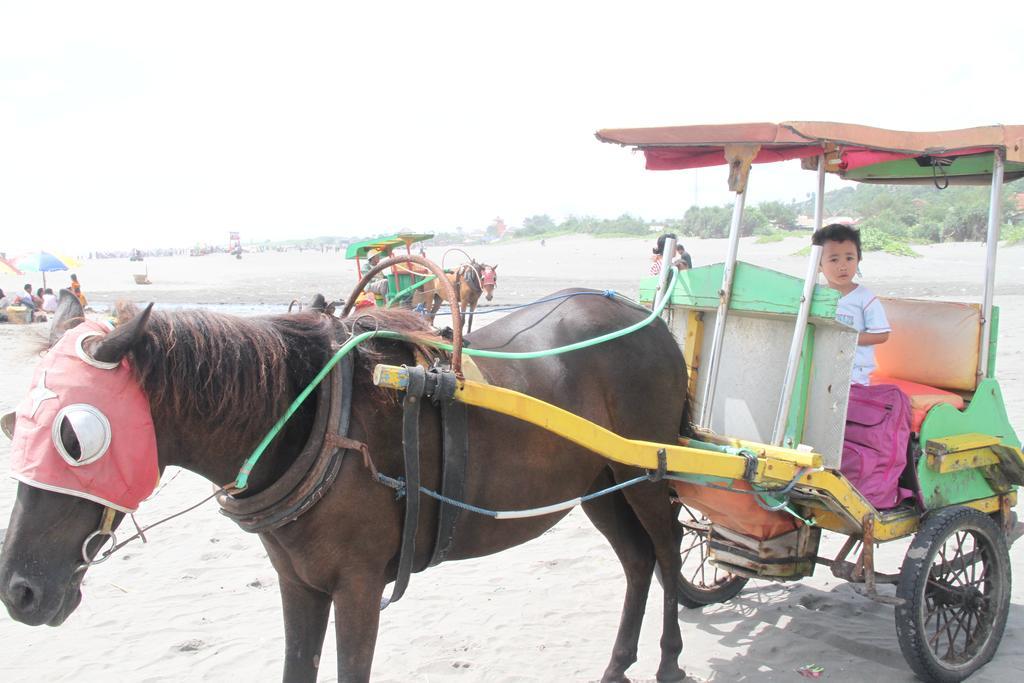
216 383
470 280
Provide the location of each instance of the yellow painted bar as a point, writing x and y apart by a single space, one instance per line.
691 348
629 451
775 464
959 443
961 452
962 460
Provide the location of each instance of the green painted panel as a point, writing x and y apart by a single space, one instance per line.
798 403
754 289
993 343
975 164
986 414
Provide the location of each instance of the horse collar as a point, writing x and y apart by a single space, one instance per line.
313 471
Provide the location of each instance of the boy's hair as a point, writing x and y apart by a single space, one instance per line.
837 232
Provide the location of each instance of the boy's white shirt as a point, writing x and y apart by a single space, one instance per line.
861 310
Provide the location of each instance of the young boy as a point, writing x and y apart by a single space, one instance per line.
858 307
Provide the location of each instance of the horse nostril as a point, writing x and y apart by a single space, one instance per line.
24 596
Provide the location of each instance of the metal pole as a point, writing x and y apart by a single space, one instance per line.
797 343
724 294
668 252
995 219
796 347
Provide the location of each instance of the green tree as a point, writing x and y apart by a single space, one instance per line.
536 225
779 214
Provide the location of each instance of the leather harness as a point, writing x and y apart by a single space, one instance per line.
313 472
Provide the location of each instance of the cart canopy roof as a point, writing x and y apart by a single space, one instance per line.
854 152
384 244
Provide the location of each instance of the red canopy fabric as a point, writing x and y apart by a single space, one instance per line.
679 158
682 147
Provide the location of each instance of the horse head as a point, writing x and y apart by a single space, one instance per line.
110 408
488 279
74 429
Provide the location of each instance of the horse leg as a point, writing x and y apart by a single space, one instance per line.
356 618
615 519
305 621
469 326
435 305
650 504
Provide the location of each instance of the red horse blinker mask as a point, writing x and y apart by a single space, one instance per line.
85 429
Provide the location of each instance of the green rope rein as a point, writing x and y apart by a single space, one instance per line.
242 480
399 295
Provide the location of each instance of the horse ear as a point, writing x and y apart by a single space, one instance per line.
111 348
69 314
494 267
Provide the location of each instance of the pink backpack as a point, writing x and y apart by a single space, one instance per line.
875 446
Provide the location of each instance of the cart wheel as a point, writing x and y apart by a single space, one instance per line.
955 583
700 582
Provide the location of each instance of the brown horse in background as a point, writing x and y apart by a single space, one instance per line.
198 367
470 281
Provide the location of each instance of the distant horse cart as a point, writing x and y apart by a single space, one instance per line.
397 285
471 281
725 400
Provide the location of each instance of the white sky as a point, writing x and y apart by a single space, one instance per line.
143 124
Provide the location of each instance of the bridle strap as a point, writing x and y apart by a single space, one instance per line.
107 521
107 529
411 449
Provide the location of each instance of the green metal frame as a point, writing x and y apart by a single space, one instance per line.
974 165
759 290
986 414
755 289
384 244
993 344
798 403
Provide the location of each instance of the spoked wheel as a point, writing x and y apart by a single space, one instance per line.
700 582
955 583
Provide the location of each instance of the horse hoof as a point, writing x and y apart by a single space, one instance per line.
673 676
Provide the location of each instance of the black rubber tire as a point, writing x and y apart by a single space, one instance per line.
700 583
939 595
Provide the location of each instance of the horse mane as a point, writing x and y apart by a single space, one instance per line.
220 372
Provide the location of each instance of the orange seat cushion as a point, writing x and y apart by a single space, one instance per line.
922 397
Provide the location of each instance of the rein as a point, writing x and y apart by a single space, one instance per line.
106 530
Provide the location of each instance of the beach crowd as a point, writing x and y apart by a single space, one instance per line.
26 305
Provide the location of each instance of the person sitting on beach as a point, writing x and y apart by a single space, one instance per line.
49 300
5 301
858 307
24 298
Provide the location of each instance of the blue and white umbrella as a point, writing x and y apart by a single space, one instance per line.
43 262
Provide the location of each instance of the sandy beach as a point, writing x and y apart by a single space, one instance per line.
200 601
